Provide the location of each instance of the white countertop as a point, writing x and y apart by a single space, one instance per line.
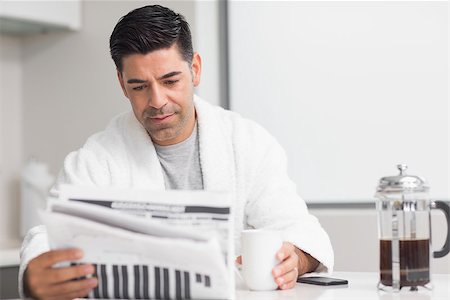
9 254
360 286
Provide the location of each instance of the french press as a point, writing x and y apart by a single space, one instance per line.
404 228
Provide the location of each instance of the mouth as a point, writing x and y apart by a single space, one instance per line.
162 118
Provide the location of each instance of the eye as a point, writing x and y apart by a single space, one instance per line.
139 88
170 82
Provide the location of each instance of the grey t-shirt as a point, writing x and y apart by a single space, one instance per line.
181 164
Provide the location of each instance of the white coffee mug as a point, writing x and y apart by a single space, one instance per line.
259 249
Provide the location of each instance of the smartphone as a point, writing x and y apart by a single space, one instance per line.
317 280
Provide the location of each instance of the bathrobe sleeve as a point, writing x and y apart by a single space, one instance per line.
273 201
84 168
122 155
81 167
34 244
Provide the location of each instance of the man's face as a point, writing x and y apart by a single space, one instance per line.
160 86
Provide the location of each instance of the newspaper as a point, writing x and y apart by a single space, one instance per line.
148 244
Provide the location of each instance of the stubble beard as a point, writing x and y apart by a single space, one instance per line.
164 132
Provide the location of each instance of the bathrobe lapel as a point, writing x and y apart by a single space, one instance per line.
216 153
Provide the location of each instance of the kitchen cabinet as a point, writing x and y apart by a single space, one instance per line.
32 17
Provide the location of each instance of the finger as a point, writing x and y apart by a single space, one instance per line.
285 250
71 287
288 278
239 260
50 258
286 266
71 296
64 274
288 285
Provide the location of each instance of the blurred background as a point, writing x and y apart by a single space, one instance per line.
349 88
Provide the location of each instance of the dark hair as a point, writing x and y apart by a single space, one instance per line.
147 29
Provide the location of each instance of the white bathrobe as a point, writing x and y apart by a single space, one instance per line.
236 155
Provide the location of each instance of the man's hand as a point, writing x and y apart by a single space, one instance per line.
293 263
41 281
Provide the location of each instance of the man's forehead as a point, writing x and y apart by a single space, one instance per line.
158 62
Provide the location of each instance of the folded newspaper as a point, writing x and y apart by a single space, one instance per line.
147 244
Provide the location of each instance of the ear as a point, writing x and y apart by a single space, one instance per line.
196 68
122 84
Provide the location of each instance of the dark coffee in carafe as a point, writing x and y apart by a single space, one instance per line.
414 262
404 216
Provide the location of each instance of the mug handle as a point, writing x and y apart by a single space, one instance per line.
446 210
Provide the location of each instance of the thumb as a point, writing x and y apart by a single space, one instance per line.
239 260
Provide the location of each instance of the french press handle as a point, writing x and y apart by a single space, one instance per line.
446 210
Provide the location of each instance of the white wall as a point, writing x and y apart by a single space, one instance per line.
207 43
11 77
349 89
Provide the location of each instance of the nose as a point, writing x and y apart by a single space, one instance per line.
156 98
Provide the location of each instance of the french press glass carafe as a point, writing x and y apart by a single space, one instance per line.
404 228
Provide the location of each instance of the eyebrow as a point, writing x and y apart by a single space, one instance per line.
134 80
165 76
168 75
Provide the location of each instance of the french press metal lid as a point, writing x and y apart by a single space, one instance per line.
402 182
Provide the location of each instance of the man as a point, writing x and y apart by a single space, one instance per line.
175 140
